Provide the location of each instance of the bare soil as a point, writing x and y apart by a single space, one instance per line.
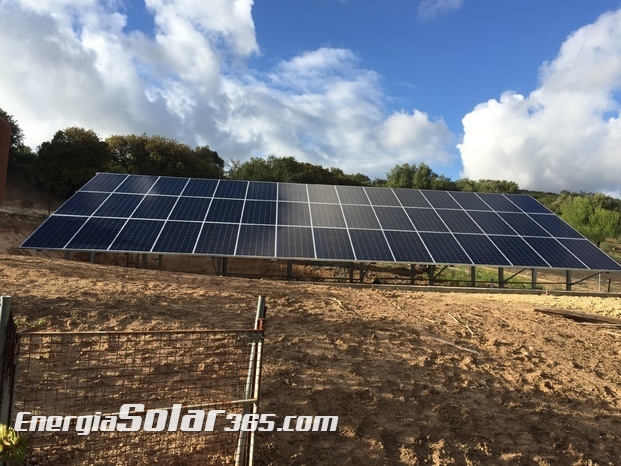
415 377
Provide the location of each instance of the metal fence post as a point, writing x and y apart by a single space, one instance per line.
5 401
245 444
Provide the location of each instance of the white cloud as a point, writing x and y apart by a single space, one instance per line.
75 63
429 9
564 135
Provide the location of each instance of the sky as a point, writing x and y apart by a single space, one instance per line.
520 90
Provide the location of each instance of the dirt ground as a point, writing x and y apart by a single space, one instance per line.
415 377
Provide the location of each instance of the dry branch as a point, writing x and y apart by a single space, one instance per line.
451 344
579 316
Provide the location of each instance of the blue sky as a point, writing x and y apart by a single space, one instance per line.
520 89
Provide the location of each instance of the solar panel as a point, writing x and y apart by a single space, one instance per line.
167 215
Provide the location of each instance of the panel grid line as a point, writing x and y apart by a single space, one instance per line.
345 220
450 232
542 227
310 213
200 232
93 214
477 224
241 217
381 227
130 215
168 217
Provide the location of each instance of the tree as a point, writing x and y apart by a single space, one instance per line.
157 155
594 222
70 159
17 137
419 176
289 170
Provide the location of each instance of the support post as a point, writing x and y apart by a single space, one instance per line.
533 281
568 280
67 254
289 270
160 260
224 265
473 276
362 272
92 257
351 272
501 277
412 273
432 274
144 261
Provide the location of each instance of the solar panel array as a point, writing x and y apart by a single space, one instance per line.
165 215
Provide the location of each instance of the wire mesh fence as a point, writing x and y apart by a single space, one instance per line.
71 388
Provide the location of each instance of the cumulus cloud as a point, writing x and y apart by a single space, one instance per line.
75 62
429 9
566 134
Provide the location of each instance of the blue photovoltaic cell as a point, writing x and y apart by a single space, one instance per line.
97 234
590 254
190 208
499 202
411 198
256 241
225 210
382 197
263 212
370 245
167 216
137 235
327 215
393 218
322 194
491 223
481 250
441 200
54 233
137 184
293 213
523 224
178 237
469 201
458 221
119 205
200 188
358 216
82 203
231 189
555 226
518 251
408 247
295 242
444 248
262 190
352 195
155 207
529 204
426 220
554 253
217 239
332 243
169 186
292 192
104 182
